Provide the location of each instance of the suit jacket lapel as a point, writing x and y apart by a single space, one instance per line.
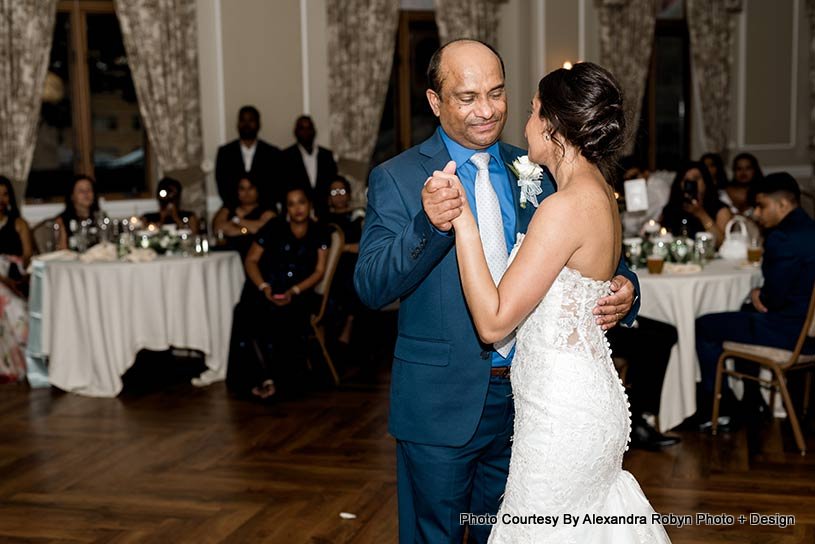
435 153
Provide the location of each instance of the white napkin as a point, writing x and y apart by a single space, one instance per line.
104 252
59 255
681 268
140 255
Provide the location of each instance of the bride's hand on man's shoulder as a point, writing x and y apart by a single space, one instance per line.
443 197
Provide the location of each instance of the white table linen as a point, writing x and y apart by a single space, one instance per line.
679 299
97 316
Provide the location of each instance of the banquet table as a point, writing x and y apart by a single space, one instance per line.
89 320
678 299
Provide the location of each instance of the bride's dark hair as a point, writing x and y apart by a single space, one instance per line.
584 107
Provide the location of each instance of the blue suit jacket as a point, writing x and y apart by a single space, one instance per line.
441 370
789 274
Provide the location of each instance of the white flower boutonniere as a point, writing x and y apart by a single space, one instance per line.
529 179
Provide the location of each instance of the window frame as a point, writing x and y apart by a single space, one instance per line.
81 118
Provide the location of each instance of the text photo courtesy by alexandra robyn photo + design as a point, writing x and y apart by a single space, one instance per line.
577 519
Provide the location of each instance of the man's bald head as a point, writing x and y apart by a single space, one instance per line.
471 101
436 69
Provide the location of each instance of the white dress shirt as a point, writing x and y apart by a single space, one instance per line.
310 162
248 154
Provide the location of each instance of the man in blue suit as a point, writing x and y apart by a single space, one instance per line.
779 307
451 407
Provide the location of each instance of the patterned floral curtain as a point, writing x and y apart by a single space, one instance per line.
26 28
476 19
626 41
361 41
160 38
712 28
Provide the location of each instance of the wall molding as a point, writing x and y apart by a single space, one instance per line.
581 31
219 72
541 36
742 87
304 57
799 171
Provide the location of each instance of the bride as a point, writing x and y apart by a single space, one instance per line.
572 421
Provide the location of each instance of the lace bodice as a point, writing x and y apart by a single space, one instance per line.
571 424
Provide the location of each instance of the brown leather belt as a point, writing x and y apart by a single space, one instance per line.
500 371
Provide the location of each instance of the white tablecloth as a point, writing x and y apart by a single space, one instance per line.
95 317
679 299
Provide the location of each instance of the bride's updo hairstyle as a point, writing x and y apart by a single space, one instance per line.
584 107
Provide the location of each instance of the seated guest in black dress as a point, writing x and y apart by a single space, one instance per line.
715 167
271 321
240 223
746 174
170 213
349 220
694 204
15 236
16 249
81 204
779 307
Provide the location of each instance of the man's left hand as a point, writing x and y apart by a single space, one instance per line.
611 309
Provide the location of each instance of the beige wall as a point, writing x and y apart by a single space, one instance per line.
770 85
262 64
762 119
251 52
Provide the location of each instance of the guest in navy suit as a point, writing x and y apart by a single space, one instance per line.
250 155
451 409
310 165
779 307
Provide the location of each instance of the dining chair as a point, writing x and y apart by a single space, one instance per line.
780 362
43 236
323 289
808 202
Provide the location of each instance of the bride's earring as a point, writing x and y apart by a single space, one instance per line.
547 137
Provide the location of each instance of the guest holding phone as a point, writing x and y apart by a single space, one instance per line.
169 214
694 204
271 321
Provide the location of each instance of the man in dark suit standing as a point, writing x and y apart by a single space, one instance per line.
308 165
249 155
779 307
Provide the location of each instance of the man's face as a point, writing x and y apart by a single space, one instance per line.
770 210
248 126
304 132
472 107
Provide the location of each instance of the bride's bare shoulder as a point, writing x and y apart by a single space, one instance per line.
582 199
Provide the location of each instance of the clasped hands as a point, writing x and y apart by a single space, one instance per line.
444 202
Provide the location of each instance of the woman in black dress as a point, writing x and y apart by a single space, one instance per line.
349 220
271 321
81 204
240 224
694 204
15 236
16 249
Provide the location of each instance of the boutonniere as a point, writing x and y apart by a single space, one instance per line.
529 179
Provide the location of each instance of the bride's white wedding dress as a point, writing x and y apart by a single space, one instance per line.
571 429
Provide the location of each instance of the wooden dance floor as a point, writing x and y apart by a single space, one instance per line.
194 465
